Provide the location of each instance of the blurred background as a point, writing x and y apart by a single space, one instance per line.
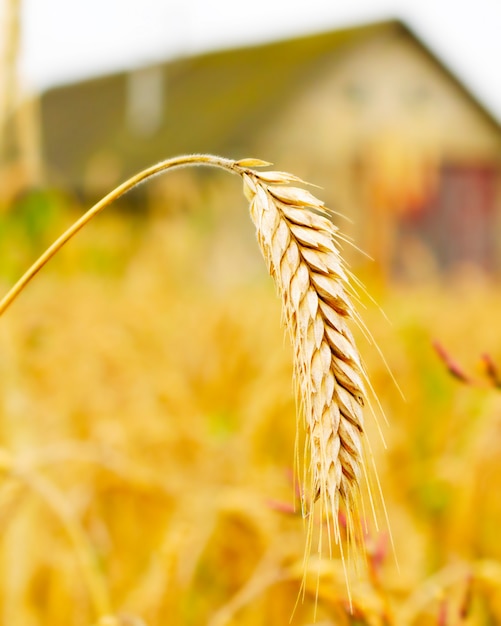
147 417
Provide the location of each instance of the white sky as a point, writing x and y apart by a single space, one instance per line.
64 40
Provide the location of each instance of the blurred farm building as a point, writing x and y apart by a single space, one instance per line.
368 113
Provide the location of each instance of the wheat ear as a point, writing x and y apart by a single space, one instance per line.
298 242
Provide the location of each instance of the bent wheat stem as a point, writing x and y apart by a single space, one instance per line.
134 181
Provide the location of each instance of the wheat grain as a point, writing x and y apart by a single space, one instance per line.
298 244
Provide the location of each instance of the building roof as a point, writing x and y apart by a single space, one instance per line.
213 101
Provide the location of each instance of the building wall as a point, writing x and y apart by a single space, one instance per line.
377 129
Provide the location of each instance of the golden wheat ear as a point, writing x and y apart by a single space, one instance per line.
298 243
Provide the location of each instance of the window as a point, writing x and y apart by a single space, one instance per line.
145 100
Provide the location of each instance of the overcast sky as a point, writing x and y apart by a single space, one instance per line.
64 40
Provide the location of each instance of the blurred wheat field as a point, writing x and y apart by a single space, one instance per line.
148 428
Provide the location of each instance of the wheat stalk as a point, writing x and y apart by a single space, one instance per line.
298 242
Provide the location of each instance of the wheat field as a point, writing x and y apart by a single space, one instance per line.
148 442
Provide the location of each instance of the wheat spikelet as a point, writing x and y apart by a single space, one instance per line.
298 243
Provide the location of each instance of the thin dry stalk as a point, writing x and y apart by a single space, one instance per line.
298 242
57 503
